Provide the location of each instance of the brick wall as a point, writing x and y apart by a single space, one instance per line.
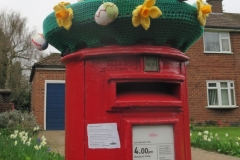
204 67
38 90
5 107
216 5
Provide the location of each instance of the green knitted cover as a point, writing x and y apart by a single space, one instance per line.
178 26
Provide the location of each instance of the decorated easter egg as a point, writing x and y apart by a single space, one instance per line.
106 13
39 42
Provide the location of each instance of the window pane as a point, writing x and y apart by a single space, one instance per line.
222 35
212 97
212 85
225 45
232 97
223 84
224 93
211 41
231 84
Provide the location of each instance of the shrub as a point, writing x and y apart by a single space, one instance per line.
16 120
211 123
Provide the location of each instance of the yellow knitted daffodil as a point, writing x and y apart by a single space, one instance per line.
64 15
203 11
65 3
142 13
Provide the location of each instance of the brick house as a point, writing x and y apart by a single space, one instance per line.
48 91
213 70
213 76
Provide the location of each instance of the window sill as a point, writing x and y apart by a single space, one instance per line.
222 107
218 52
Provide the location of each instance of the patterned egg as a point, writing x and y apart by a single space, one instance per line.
106 13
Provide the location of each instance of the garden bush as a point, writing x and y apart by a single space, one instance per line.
17 120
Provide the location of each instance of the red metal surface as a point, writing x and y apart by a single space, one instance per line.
125 51
109 85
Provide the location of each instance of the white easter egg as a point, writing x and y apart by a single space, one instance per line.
39 42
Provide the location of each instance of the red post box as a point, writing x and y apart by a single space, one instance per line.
127 103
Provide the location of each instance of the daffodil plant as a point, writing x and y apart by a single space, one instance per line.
19 145
209 141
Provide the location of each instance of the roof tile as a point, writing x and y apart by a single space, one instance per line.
224 20
52 59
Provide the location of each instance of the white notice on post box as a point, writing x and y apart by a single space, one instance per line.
103 135
154 142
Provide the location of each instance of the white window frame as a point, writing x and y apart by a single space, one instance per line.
220 42
218 87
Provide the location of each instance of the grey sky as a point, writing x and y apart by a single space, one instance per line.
37 10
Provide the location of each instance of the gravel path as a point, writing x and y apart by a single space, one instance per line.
56 140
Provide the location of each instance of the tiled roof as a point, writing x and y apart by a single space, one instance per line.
223 20
52 59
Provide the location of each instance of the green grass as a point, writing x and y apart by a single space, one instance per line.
232 132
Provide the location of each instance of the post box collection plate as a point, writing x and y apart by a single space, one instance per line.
151 64
154 142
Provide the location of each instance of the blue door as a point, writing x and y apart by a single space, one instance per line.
55 106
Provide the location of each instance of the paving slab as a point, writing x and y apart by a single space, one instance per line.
55 140
198 154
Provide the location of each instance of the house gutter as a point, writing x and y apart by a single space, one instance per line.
222 29
44 67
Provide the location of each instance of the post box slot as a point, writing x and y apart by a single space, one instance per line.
147 91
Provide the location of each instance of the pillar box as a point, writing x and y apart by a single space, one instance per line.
127 103
126 88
